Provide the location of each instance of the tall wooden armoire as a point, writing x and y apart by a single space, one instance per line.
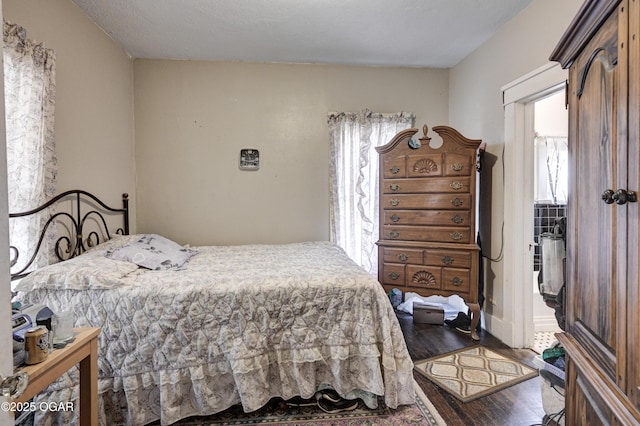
602 50
427 216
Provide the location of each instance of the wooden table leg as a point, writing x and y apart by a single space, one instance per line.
89 386
475 318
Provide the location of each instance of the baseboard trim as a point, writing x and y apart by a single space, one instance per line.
546 323
499 329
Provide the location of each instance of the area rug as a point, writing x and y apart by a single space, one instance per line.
277 412
471 373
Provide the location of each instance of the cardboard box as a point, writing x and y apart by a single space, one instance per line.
425 314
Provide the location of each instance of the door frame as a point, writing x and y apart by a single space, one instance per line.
6 339
518 98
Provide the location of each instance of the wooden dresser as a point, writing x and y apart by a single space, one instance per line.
427 216
602 50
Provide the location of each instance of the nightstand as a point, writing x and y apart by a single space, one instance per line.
83 350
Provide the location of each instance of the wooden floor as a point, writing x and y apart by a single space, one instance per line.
520 404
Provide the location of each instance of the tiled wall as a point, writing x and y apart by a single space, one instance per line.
544 218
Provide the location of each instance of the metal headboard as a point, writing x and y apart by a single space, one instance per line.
84 206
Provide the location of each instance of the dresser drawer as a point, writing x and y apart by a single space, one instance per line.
427 217
427 201
401 255
424 277
458 165
447 258
424 165
426 185
395 167
456 280
392 274
426 233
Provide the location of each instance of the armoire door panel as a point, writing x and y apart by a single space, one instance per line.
601 354
592 412
633 230
602 336
594 159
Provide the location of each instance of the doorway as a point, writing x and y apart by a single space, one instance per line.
550 191
520 96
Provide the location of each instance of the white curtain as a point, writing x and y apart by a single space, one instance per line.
353 192
29 84
551 184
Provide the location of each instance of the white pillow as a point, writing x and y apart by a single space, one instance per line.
154 252
86 272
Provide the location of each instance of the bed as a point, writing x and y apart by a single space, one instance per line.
228 325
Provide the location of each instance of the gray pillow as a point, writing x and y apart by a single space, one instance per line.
154 252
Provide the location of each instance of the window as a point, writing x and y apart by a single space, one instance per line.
29 83
551 156
353 174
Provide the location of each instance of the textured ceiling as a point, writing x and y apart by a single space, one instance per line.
413 33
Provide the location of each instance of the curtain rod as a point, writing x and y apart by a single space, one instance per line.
384 114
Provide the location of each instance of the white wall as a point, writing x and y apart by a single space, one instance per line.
94 98
521 46
551 116
192 119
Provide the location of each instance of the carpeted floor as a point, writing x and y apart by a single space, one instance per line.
471 373
277 412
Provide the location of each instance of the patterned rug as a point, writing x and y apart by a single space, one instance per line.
277 412
471 373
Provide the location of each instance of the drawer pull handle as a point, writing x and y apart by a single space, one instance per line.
394 275
447 260
394 234
394 202
394 187
457 202
457 219
395 218
457 166
457 281
403 257
456 236
456 185
395 170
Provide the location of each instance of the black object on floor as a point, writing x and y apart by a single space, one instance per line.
336 407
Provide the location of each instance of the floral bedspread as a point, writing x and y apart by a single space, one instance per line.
238 324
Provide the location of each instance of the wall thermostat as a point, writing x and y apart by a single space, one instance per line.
249 159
